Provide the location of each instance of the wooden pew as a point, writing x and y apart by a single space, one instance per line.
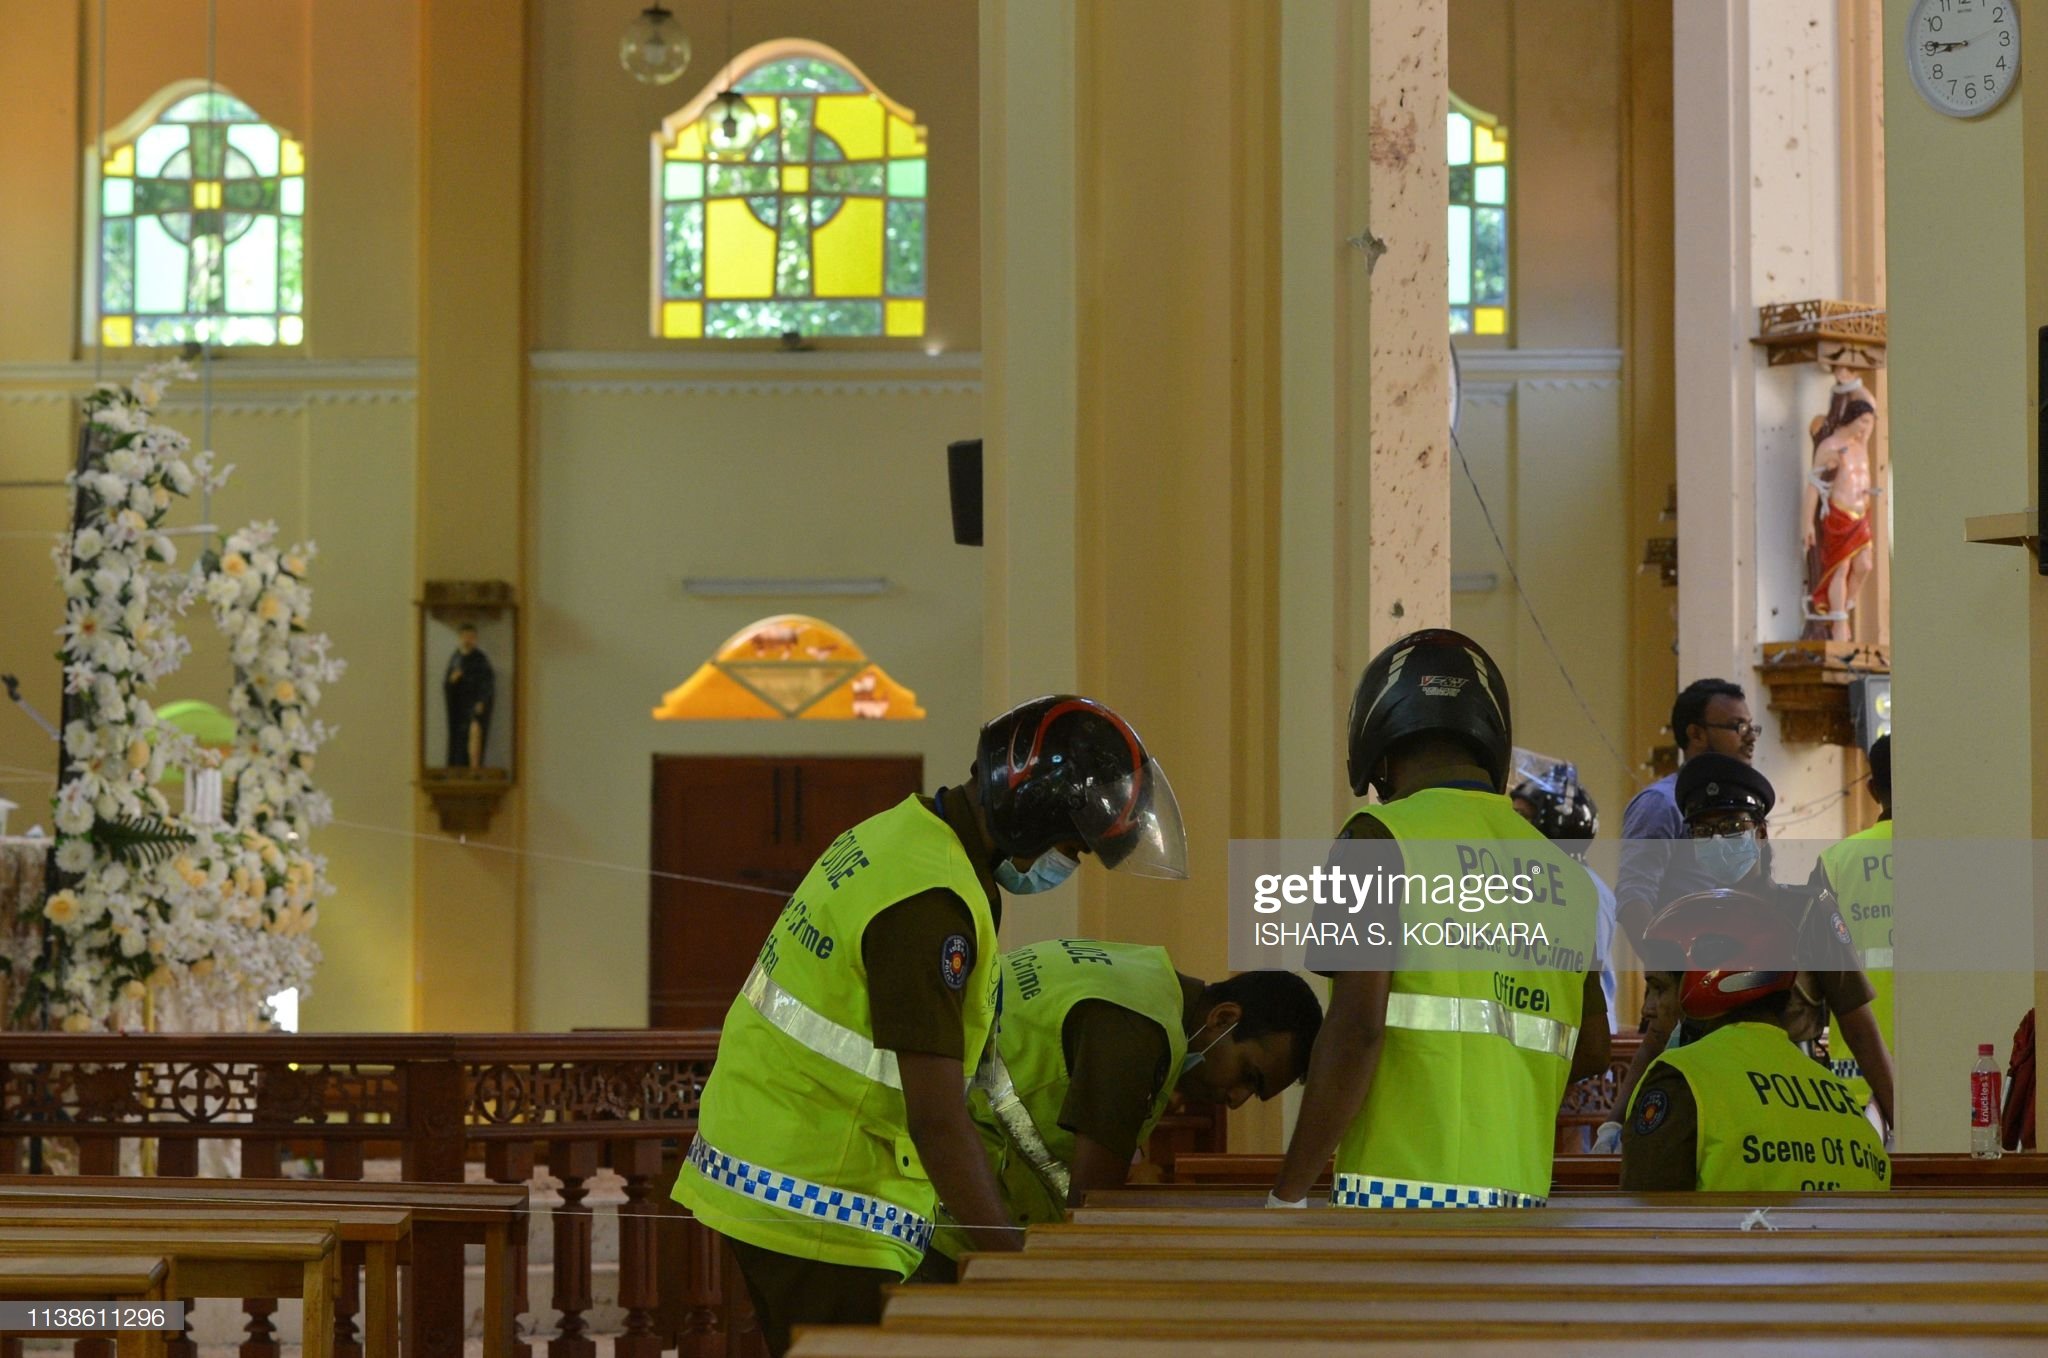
380 1231
1295 1313
879 1342
1572 1172
493 1215
90 1278
227 1261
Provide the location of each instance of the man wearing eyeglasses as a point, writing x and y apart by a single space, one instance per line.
1710 717
1726 804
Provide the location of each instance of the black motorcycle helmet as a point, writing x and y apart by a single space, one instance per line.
1564 811
1432 682
1062 768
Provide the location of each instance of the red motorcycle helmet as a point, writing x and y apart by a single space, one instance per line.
1735 949
1062 768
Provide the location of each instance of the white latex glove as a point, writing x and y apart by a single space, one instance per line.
1607 1141
1272 1201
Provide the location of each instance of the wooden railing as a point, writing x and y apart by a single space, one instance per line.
573 1102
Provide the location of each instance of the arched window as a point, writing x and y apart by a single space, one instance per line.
1479 222
819 230
196 226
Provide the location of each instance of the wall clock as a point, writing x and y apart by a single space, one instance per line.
1964 55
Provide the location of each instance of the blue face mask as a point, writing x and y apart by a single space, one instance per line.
1193 1059
1727 858
1051 869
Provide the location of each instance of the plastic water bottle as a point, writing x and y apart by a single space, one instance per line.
1984 1105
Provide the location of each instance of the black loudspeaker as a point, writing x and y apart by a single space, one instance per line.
963 477
2041 447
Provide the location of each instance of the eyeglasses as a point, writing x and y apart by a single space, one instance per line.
1722 829
1744 729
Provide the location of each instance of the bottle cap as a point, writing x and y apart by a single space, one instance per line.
1983 1049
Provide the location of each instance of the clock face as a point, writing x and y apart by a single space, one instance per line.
1964 55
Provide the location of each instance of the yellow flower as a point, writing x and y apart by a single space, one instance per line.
138 754
61 908
134 990
287 691
203 967
160 497
131 521
77 1023
233 563
294 565
270 609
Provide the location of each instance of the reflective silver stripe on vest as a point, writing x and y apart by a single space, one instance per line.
1464 1014
806 1026
1877 959
993 1079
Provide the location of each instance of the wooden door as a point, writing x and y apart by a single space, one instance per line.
732 836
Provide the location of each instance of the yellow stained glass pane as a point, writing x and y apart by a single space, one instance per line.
117 330
739 252
855 122
905 139
903 318
846 252
290 330
206 194
1490 320
682 320
796 179
121 162
689 143
291 157
1489 144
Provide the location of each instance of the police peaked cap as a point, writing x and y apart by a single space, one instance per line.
1721 782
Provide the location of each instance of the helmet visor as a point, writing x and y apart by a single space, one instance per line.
1132 824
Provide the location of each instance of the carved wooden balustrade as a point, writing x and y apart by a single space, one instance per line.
573 1102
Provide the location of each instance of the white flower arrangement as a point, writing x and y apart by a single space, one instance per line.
226 909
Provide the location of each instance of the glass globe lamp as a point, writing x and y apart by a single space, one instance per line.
654 47
731 127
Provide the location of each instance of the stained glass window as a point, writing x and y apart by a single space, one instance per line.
198 213
820 229
1479 222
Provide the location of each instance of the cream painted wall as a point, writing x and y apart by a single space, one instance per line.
656 460
1542 424
634 491
322 437
1960 358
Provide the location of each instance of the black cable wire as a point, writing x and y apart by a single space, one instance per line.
1628 770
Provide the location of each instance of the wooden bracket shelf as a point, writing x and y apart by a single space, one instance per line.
2006 530
1808 683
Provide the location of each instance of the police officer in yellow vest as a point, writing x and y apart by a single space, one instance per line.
836 1118
1738 1107
1097 1040
1859 872
1441 1088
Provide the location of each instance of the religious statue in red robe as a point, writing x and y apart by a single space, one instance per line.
1835 507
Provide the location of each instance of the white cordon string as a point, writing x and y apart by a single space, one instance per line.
1628 770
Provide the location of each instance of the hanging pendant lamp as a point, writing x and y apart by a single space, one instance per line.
731 126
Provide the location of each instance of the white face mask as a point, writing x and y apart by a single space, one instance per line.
1050 870
1193 1059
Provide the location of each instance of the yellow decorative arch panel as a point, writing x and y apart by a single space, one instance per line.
789 666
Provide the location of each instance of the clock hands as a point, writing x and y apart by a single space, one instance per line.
1935 49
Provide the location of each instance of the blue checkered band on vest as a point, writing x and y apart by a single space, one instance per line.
1363 1190
863 1211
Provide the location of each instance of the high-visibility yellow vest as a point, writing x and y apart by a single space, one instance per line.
1772 1119
1017 1097
802 1145
1859 872
1463 1107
